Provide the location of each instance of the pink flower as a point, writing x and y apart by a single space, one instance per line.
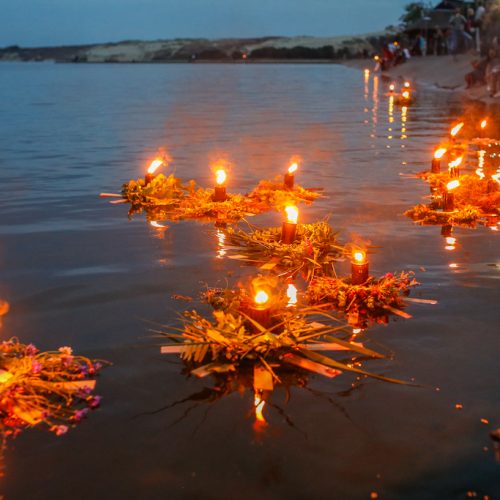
94 401
66 350
31 350
36 366
59 430
80 414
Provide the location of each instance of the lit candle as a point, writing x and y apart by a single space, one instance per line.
449 196
151 173
359 267
291 293
436 160
455 130
260 310
289 176
392 87
453 167
405 95
289 227
483 126
407 85
220 188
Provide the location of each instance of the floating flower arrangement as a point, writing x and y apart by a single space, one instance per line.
369 302
261 329
53 389
313 250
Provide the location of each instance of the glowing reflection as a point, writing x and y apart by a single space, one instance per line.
375 103
291 293
221 240
404 117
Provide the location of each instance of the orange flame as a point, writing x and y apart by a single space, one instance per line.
292 214
496 177
452 185
438 154
292 168
392 87
406 94
220 176
456 129
455 163
480 173
359 256
484 123
407 85
259 404
291 293
376 58
155 165
261 297
157 225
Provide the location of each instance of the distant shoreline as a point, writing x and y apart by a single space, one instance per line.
267 49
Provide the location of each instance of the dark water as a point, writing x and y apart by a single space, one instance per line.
78 273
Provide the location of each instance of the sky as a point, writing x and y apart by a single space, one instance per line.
31 23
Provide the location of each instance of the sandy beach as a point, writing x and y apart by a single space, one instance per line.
443 72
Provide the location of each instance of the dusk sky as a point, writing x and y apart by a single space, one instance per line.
57 22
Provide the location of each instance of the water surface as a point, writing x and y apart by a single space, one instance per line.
78 272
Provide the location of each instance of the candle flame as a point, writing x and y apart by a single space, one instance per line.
455 163
155 165
220 176
359 256
406 94
292 168
291 293
480 173
261 297
157 225
407 85
452 185
292 214
259 408
391 87
496 177
438 154
450 240
456 129
376 58
484 123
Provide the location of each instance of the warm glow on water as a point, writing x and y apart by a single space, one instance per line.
79 271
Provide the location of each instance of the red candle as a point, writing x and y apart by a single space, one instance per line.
290 177
453 167
151 173
455 130
220 188
449 196
359 267
289 227
260 311
436 160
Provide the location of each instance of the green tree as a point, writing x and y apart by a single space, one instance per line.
413 12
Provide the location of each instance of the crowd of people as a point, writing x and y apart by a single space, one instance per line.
464 33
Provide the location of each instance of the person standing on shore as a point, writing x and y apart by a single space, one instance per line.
478 21
458 36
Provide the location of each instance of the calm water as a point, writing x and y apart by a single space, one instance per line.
78 272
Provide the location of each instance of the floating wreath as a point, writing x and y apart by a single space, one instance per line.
275 194
423 214
314 251
51 388
371 301
293 336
